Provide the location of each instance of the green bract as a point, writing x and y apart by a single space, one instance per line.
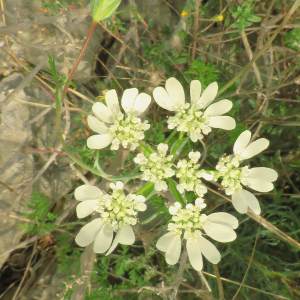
103 9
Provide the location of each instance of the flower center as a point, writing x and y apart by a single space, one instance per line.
188 219
233 176
127 131
190 120
118 208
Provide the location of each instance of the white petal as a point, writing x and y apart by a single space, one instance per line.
163 99
103 239
102 112
142 102
140 198
119 185
265 174
99 141
96 125
218 108
219 232
195 91
250 201
141 207
127 236
85 208
194 254
223 218
242 142
255 148
260 186
209 250
114 243
87 233
175 90
164 241
223 122
112 101
208 95
173 250
128 99
239 202
87 192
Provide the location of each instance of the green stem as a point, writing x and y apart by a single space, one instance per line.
179 141
175 192
144 150
148 187
170 137
151 218
258 54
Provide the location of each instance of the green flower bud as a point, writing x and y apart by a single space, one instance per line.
103 9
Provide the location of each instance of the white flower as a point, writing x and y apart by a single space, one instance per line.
234 176
121 131
189 175
259 179
157 167
191 118
117 214
243 150
218 226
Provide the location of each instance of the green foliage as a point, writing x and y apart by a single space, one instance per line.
42 220
292 39
205 73
244 15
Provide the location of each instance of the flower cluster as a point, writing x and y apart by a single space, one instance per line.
259 179
117 213
190 221
189 175
191 118
157 167
124 130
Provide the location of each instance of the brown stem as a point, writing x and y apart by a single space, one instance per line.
81 55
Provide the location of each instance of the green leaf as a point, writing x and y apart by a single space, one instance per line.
254 19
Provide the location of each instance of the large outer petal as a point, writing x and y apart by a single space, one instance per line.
102 112
87 192
208 95
250 200
99 141
219 108
223 122
128 99
195 91
85 208
88 233
103 239
239 202
96 125
194 253
259 185
223 218
255 148
175 90
112 101
264 174
209 250
242 142
174 250
219 232
164 241
163 99
141 103
127 236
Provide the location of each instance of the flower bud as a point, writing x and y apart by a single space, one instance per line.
103 9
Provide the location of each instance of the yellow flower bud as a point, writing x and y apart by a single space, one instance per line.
103 9
184 13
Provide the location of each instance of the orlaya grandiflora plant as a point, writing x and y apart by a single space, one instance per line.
233 176
198 117
191 223
118 212
128 130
